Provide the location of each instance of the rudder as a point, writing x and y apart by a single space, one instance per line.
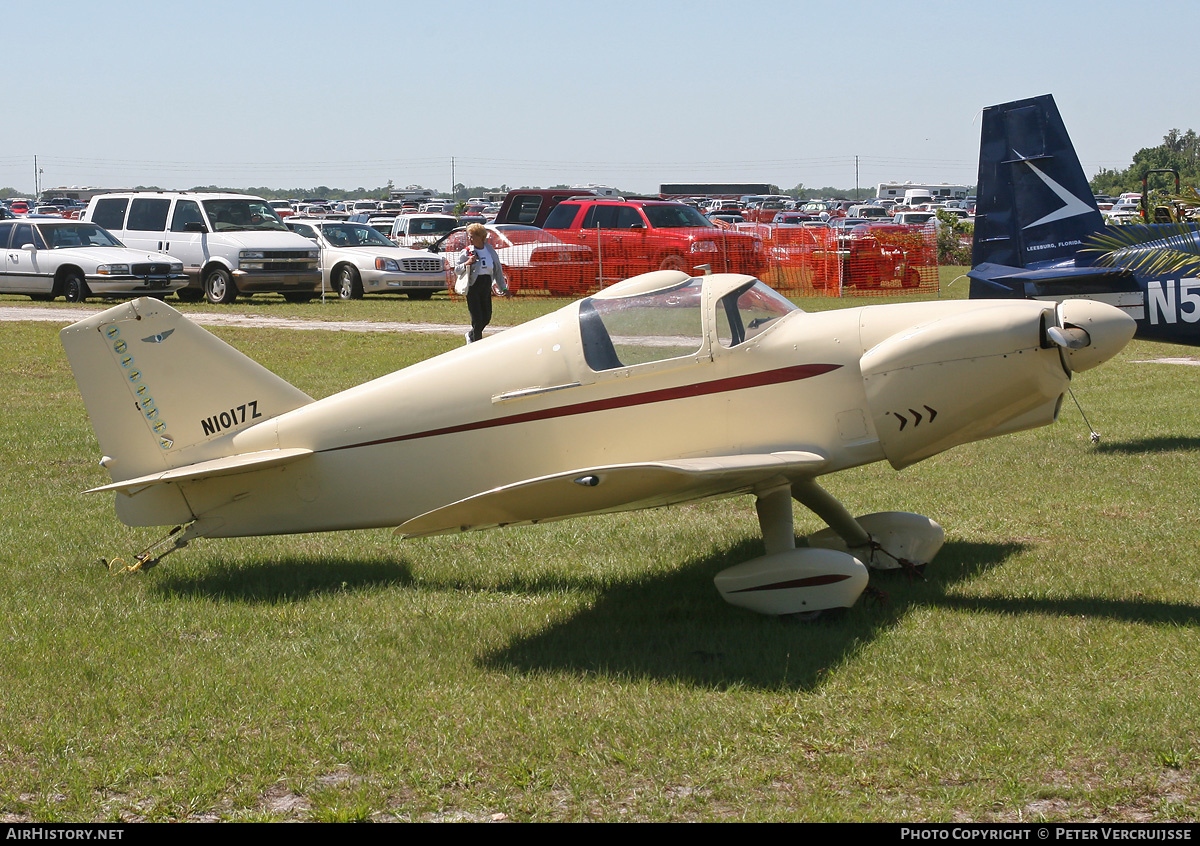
1034 203
162 392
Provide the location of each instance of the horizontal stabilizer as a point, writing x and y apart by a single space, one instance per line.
227 466
619 487
997 280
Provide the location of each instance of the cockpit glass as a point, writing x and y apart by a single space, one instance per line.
748 311
642 328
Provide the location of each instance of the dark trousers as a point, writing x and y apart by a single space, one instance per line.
479 304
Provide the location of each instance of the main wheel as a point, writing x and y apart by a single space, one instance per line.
420 295
348 283
219 287
74 289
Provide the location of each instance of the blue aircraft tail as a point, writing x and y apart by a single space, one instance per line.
1034 206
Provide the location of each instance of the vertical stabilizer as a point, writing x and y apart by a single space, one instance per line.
162 392
1034 202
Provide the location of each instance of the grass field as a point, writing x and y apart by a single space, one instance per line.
588 670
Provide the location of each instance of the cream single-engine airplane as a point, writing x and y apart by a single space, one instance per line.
658 390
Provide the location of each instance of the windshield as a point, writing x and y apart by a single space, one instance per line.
77 235
424 226
237 215
354 235
749 310
675 216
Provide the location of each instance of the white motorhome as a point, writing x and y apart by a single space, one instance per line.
230 244
940 192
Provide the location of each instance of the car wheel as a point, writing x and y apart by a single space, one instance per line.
673 262
349 286
420 295
74 289
912 279
219 287
299 296
189 295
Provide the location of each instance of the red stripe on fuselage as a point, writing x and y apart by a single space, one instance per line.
717 386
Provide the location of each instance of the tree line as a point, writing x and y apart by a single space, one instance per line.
1179 150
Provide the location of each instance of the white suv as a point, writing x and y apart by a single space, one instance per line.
421 230
230 244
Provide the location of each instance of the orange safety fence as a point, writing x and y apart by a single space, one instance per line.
873 260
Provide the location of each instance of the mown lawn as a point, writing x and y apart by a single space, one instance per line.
588 669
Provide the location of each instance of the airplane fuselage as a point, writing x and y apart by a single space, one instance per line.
525 403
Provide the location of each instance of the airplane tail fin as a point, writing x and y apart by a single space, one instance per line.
1034 203
163 393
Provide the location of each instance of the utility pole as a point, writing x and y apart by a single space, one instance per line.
453 194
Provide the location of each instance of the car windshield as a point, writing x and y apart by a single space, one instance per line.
432 225
354 235
675 216
231 215
77 235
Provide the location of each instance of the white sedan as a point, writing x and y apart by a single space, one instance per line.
356 259
52 257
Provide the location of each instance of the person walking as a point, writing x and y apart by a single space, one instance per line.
479 274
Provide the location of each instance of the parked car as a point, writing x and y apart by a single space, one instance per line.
532 258
357 259
533 205
793 218
420 230
230 244
764 211
47 258
635 236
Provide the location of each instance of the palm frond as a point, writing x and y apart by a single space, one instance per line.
1189 196
1160 250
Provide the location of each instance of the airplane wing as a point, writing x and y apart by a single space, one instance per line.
617 487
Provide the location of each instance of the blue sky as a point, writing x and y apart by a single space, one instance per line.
350 94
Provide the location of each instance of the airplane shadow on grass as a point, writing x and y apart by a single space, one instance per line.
288 580
676 627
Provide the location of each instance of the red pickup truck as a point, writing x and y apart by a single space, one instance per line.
635 236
